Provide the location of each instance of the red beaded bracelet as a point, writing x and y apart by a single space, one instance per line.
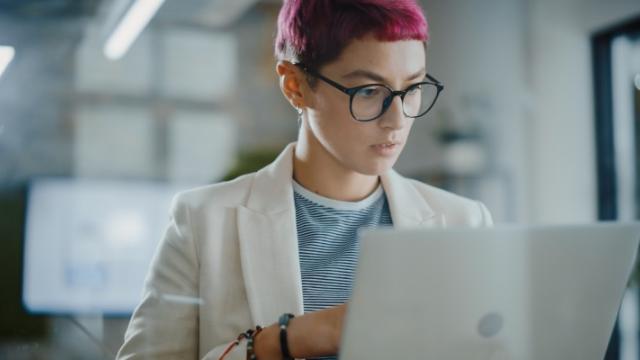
250 334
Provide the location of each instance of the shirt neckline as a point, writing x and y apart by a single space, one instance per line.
338 204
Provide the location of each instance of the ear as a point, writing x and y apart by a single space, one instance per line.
293 84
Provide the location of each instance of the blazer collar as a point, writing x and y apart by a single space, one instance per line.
269 243
272 192
272 189
406 203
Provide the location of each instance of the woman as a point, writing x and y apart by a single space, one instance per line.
283 240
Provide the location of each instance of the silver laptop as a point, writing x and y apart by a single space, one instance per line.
521 293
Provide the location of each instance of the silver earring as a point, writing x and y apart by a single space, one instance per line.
299 116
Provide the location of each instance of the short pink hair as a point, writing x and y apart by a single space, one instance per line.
315 32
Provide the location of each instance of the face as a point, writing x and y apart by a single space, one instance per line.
368 148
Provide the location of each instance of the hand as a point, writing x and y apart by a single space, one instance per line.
335 319
314 334
317 333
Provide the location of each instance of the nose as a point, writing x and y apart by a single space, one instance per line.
394 117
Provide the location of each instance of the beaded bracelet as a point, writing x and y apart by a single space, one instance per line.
251 355
283 323
250 334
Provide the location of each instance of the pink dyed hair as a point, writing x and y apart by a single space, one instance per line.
315 32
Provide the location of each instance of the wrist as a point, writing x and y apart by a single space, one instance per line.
335 330
283 323
267 345
312 335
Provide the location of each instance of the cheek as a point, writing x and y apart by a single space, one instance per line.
331 105
331 120
337 130
407 128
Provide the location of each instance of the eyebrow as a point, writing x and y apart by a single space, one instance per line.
360 73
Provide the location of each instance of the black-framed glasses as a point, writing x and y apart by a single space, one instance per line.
368 102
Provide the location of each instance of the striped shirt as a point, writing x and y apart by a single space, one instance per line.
328 244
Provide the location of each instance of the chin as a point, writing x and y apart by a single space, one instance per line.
376 168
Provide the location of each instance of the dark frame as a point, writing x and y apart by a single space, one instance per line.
605 156
387 101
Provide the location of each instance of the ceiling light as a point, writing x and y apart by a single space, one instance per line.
6 55
130 27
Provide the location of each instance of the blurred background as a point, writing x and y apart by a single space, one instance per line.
108 107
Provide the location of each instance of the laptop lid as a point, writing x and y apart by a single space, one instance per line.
503 293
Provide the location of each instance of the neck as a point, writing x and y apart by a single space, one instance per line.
320 172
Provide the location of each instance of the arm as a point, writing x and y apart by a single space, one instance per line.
165 323
311 335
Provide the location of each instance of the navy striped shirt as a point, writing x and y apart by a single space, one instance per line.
328 244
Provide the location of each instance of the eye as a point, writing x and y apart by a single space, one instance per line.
371 91
416 89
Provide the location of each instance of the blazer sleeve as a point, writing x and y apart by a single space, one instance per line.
165 323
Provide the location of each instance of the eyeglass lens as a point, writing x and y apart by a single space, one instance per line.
369 102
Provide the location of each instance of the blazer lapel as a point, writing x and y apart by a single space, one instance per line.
408 209
268 243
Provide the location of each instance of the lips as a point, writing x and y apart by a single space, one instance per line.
386 144
386 148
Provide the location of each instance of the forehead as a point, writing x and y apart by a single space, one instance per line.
388 58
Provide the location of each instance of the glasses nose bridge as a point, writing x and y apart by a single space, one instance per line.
389 100
392 94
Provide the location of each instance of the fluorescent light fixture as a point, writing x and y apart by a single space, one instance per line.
131 25
6 55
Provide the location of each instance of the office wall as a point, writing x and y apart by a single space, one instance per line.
563 183
531 62
478 49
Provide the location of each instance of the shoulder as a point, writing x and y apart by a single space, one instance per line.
458 210
436 197
221 195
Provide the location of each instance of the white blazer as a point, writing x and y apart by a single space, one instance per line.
229 259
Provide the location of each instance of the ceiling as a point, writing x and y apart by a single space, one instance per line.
48 8
208 13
